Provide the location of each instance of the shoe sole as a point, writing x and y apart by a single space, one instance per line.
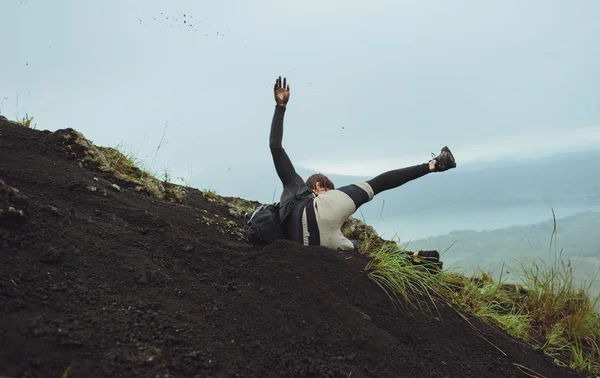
436 255
453 165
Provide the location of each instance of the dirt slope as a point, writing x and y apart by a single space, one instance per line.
120 284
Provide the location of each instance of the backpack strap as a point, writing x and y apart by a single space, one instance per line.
302 196
311 222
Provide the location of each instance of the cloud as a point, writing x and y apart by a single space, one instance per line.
531 144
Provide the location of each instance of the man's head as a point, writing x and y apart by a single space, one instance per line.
319 183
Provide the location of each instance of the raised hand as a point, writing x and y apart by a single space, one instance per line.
282 92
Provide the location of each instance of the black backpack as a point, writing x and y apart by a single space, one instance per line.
263 225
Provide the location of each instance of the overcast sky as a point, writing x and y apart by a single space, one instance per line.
374 85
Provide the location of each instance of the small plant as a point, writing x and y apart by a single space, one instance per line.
210 194
239 207
128 158
27 121
166 176
179 192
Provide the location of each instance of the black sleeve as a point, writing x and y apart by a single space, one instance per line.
283 165
356 193
397 177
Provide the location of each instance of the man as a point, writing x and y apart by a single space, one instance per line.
317 210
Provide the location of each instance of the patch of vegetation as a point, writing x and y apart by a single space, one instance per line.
175 192
115 163
564 314
112 162
225 226
179 192
211 195
239 207
392 270
26 121
547 309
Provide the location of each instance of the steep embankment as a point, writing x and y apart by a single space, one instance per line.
101 275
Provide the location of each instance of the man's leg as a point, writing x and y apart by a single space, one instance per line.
365 191
395 178
335 207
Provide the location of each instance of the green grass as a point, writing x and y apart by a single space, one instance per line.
547 309
239 207
210 194
27 121
126 157
404 282
564 313
67 371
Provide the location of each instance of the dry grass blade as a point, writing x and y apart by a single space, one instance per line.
527 371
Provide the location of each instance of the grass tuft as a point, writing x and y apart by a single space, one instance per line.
563 313
27 122
392 270
211 195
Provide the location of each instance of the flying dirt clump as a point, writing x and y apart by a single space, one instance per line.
13 206
111 162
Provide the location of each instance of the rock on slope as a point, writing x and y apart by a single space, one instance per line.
117 283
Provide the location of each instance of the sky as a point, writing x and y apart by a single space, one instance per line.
187 86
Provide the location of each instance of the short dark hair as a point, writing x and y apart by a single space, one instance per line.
320 178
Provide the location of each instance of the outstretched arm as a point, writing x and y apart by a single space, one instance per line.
283 165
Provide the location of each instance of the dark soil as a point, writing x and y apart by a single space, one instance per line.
119 284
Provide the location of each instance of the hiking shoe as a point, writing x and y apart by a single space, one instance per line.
444 161
430 260
429 255
423 255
